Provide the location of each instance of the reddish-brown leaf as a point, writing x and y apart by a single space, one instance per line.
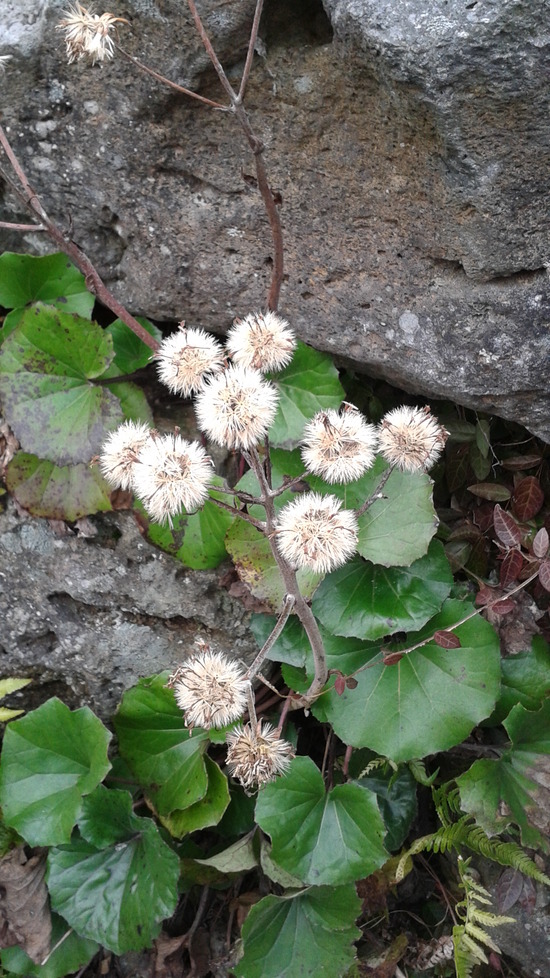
447 640
485 595
392 658
25 912
340 684
506 528
504 606
508 889
456 466
544 574
518 463
527 498
351 683
510 568
492 491
541 543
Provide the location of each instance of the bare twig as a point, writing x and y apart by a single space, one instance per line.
166 81
251 48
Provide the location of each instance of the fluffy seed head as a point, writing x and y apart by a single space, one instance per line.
120 453
339 445
411 439
171 474
88 35
263 341
186 358
210 689
4 58
236 407
256 758
314 531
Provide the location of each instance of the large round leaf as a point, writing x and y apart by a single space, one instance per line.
367 601
301 934
118 890
309 384
198 539
428 701
323 838
50 759
164 756
50 278
46 366
57 492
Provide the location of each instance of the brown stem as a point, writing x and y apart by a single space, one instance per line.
257 149
301 606
166 81
21 227
237 512
93 280
251 47
377 492
288 605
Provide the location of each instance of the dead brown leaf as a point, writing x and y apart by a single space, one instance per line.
24 908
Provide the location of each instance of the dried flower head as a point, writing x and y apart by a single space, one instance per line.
236 407
171 474
210 689
263 341
187 358
339 445
120 453
314 531
255 758
411 438
88 34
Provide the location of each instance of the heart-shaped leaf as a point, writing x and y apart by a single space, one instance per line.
309 384
197 540
306 933
325 838
57 492
117 894
51 758
46 368
50 278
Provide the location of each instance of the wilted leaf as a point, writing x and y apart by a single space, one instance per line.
57 492
527 498
24 910
506 527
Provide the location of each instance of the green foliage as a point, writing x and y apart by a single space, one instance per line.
309 384
71 952
25 279
197 540
468 936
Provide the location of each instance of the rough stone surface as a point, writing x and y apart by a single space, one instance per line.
85 618
410 150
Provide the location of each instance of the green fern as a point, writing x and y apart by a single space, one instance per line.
471 934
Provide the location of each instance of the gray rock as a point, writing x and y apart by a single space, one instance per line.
411 156
86 618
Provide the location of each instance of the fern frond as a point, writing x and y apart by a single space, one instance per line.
418 771
376 763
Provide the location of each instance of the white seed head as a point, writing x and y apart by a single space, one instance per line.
257 758
171 475
120 452
339 446
411 438
236 407
263 341
186 358
88 35
4 58
314 532
210 689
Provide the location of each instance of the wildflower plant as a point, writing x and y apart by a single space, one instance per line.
331 528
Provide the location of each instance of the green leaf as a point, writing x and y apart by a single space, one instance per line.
323 838
57 492
365 601
118 894
396 795
397 528
293 645
131 353
301 934
52 279
204 813
514 789
429 700
71 952
525 679
164 756
237 858
133 402
256 566
46 368
50 759
198 541
309 384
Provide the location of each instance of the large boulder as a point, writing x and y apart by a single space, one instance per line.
408 142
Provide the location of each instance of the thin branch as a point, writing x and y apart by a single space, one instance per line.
259 524
211 53
93 280
377 494
251 48
21 227
288 605
166 81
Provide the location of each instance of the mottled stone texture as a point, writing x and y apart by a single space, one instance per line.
409 143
